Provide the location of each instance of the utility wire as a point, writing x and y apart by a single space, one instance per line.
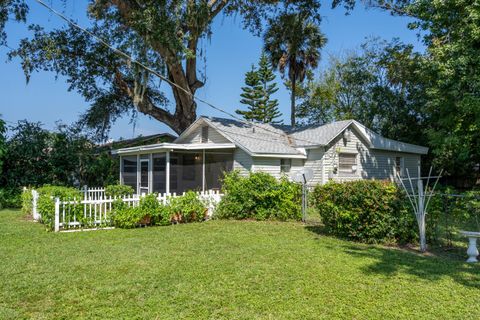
132 60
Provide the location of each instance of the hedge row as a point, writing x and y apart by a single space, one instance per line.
365 210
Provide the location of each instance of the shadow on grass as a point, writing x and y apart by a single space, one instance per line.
389 261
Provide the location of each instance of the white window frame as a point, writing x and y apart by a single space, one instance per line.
352 172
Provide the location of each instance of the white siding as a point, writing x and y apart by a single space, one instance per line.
268 165
371 164
380 164
354 145
242 161
297 164
213 136
314 161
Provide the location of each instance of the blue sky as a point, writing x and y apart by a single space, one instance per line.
229 54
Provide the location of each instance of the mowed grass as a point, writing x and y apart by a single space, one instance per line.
222 270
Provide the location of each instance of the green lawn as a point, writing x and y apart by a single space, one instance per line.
222 270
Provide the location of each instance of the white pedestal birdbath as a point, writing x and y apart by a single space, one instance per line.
472 250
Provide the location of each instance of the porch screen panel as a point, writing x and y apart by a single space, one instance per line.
215 166
185 171
159 169
129 173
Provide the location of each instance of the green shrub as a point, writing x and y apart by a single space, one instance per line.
27 201
259 196
149 211
186 208
365 210
46 201
10 198
125 216
118 190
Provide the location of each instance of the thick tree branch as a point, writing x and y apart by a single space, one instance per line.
145 105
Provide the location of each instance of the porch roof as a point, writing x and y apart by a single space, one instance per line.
173 146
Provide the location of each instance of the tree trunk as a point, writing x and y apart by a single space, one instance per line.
292 102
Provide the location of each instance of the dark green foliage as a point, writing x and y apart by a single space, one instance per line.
118 190
27 158
365 210
46 202
259 196
35 157
10 198
378 86
257 94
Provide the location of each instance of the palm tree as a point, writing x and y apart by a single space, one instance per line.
293 41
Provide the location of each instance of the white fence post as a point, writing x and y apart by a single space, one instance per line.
36 215
57 214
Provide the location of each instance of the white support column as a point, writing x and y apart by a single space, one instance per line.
138 174
150 173
57 215
121 170
167 172
203 171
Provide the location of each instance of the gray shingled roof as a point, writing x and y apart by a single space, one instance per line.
283 139
320 134
261 138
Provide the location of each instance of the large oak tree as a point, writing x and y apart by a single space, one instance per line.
163 34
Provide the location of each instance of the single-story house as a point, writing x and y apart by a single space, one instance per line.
196 160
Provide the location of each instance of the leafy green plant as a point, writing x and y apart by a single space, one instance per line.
27 201
259 196
46 201
125 216
365 210
187 208
118 190
149 211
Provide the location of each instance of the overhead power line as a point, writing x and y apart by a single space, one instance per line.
149 69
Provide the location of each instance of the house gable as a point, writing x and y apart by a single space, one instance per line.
195 134
372 163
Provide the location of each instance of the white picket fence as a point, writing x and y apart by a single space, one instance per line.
93 193
93 211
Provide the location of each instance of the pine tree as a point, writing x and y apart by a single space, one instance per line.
257 93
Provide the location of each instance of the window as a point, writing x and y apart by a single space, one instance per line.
129 174
347 162
144 173
159 167
205 134
399 166
285 165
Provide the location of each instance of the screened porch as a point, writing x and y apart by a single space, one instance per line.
175 169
